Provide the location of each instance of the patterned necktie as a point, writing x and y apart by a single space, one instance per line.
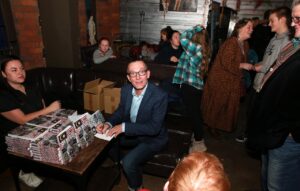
296 42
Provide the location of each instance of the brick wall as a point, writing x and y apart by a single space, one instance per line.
108 18
29 35
26 14
82 23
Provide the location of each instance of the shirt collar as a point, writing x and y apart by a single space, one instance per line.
282 35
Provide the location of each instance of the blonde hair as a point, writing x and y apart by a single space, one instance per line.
199 171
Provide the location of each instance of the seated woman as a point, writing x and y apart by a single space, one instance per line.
170 53
148 51
104 52
198 171
19 103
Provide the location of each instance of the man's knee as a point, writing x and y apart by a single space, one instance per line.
128 164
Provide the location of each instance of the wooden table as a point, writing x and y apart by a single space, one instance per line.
76 172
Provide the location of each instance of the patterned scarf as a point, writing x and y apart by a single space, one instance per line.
287 51
296 42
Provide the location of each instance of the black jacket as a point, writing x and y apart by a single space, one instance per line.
275 111
164 55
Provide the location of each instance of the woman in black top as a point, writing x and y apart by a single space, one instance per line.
170 53
18 103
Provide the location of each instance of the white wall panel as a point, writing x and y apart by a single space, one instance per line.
154 20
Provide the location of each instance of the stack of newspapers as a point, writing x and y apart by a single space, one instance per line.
56 137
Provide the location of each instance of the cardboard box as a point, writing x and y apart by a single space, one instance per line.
93 94
111 99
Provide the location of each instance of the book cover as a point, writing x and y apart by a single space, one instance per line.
44 121
28 132
67 141
65 113
60 126
79 123
96 119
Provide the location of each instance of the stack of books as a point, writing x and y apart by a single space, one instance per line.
18 140
56 148
56 137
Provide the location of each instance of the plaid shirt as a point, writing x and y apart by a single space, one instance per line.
188 67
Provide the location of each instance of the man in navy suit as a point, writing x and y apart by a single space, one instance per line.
138 122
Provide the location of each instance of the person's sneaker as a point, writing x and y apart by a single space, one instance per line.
30 179
132 189
198 146
241 139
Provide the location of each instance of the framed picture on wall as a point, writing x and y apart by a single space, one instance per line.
178 5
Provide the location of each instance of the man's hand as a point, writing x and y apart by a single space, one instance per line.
115 131
257 67
102 128
247 66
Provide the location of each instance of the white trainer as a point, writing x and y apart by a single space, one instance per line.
30 179
198 146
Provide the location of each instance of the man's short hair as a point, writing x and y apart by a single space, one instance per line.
267 14
146 66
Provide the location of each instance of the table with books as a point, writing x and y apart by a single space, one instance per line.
60 144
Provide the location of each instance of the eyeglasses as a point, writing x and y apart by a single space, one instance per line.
296 20
140 73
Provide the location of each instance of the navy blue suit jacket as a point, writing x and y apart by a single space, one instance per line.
149 126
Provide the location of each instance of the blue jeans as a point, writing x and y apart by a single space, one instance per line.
281 167
139 153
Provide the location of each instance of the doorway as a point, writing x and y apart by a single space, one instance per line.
60 29
8 37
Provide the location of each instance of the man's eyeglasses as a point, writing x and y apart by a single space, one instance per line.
140 73
296 20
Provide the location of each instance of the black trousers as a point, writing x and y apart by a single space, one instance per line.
192 101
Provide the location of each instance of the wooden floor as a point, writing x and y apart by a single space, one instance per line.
243 170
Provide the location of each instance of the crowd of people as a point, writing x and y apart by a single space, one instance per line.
213 91
216 93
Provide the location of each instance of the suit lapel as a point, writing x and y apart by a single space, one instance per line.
128 102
